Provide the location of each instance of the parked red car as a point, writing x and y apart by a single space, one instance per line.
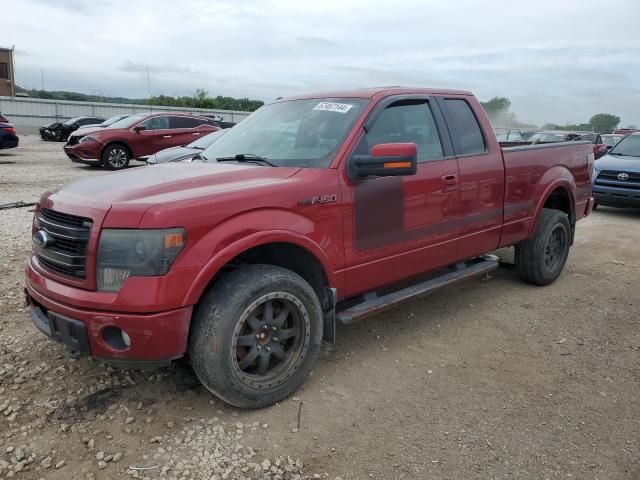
137 136
314 210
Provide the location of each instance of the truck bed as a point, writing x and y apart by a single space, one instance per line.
532 172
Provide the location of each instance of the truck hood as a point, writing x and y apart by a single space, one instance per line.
172 182
618 163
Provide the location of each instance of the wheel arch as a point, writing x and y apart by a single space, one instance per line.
110 143
558 192
280 248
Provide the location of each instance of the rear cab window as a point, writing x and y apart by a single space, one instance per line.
466 133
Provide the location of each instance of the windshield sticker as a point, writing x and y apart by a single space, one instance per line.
333 107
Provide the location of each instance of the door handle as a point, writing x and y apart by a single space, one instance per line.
450 182
195 133
166 136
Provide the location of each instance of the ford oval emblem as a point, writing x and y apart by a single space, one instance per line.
42 239
623 176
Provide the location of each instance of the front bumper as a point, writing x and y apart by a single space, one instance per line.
155 338
617 197
87 155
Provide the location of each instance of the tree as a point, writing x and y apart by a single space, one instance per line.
497 106
604 122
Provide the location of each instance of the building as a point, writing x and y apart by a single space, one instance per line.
7 76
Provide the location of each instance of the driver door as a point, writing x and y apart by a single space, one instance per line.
396 227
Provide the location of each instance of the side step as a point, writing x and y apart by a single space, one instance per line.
463 271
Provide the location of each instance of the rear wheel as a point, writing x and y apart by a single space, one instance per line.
255 335
116 157
541 258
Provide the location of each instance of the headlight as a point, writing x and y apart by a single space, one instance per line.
88 138
136 253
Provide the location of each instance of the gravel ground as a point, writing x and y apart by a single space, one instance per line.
496 379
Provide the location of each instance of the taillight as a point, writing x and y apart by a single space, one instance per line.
11 130
590 164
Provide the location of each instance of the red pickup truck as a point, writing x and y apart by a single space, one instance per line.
314 210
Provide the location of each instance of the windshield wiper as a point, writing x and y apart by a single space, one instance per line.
246 157
622 154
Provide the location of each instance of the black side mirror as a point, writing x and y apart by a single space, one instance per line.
386 160
139 128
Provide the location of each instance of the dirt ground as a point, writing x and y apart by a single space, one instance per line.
492 379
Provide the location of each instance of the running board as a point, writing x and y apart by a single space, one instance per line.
463 272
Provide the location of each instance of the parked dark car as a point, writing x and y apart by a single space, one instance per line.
616 177
59 132
105 124
137 137
217 120
75 137
8 137
185 152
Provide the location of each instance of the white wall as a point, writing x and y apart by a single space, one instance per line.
27 114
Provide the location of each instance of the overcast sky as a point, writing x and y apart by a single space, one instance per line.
558 61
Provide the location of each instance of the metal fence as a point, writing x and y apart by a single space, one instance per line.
29 113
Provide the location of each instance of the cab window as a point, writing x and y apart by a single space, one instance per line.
406 121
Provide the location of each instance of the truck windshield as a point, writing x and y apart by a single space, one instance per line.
628 147
298 133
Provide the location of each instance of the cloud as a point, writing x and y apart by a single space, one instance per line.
550 59
141 67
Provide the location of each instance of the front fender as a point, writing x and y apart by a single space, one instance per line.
243 232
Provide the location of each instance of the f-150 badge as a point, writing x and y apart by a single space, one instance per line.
329 198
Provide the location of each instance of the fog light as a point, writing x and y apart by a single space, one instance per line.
116 338
125 338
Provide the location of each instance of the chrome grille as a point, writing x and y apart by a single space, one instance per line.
67 255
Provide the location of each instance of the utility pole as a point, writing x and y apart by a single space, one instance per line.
42 78
149 89
13 72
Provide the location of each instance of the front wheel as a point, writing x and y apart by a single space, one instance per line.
255 335
116 157
541 258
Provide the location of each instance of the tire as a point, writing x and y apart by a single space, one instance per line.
595 206
249 354
116 157
541 258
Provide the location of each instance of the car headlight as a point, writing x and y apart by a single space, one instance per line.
136 253
88 138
